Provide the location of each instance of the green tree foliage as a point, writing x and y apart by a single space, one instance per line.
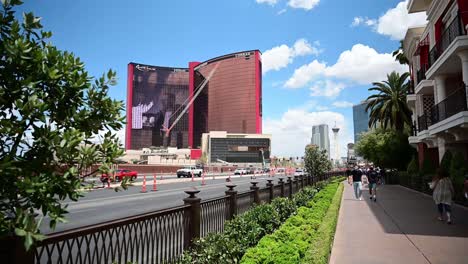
51 111
388 108
458 170
316 161
399 55
446 160
385 148
413 167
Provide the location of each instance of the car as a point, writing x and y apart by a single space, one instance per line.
120 174
188 171
240 171
299 172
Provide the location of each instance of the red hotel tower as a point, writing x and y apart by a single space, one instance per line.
226 93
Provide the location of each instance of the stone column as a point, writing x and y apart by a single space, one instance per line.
440 88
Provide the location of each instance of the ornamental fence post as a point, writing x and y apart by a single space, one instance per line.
270 189
281 183
255 189
193 216
290 186
232 201
296 181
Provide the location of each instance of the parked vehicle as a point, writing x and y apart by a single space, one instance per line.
240 171
299 172
188 171
119 175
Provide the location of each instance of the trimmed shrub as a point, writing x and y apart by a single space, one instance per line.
457 171
319 251
446 160
244 231
293 239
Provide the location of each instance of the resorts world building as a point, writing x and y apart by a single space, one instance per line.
173 107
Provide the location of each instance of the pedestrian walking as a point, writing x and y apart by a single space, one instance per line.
357 185
442 195
348 175
372 177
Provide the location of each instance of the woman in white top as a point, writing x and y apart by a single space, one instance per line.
443 193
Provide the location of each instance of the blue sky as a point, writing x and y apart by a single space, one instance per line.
322 54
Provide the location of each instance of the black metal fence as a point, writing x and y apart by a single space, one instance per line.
156 237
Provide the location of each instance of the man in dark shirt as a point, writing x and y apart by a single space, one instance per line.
357 185
372 177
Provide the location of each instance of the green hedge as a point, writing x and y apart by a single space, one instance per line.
319 251
245 230
293 242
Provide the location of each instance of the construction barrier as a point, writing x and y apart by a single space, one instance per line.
143 187
203 179
155 188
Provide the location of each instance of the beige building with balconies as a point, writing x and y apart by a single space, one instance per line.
438 55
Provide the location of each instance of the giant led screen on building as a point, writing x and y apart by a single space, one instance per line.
226 92
157 96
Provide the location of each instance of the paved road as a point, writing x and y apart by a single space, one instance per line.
105 204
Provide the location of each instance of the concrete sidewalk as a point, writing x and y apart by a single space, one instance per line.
401 227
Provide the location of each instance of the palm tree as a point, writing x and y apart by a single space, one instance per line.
388 108
399 55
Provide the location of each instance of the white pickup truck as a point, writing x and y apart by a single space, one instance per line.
187 172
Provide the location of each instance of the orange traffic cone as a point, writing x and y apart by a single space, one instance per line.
143 187
155 188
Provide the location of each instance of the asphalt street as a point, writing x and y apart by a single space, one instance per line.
101 205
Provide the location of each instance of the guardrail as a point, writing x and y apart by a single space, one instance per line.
155 237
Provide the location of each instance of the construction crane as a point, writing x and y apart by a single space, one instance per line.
167 129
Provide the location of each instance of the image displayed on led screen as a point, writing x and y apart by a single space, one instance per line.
159 96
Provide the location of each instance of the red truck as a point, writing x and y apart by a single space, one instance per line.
119 175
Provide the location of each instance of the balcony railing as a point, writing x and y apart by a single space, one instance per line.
454 30
453 104
424 122
421 74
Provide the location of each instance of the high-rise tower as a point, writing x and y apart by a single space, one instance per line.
320 138
335 130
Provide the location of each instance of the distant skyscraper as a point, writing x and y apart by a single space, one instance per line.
320 138
360 120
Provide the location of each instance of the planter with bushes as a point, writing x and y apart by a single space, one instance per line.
244 231
305 237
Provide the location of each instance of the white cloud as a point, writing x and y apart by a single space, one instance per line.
292 132
395 22
282 11
342 104
363 20
326 88
362 64
303 4
279 57
305 74
269 2
321 108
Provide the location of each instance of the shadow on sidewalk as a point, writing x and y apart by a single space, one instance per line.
413 213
